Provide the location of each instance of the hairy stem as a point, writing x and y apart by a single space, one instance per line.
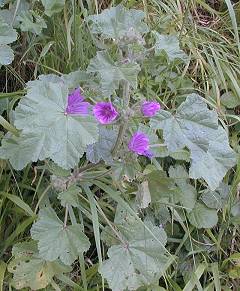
124 124
66 216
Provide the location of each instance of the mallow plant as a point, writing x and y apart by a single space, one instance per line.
100 135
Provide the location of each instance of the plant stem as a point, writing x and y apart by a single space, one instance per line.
12 94
124 124
66 217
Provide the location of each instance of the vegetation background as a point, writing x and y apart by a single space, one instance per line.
209 34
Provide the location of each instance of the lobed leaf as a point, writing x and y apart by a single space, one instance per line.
53 6
170 45
187 194
111 73
140 260
101 150
203 217
30 270
196 127
46 131
216 199
117 21
7 36
56 241
31 21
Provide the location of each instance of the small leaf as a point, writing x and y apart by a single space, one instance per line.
7 33
186 192
112 73
32 22
116 22
196 127
7 36
56 241
170 45
70 196
216 199
161 187
53 6
6 55
29 270
102 149
230 100
127 169
203 217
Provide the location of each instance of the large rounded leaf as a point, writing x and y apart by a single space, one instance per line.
51 133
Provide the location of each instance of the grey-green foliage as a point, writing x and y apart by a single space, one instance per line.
169 44
46 131
101 150
202 216
230 100
20 150
32 22
187 194
216 199
30 270
70 196
53 6
139 259
162 188
7 36
143 195
116 22
55 240
196 127
111 73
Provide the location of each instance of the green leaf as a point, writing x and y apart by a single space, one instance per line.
7 33
216 199
70 196
56 241
170 45
31 21
143 195
230 100
24 148
161 187
139 259
127 170
186 192
53 6
6 55
203 217
56 170
50 133
102 149
196 127
112 73
117 22
29 270
7 36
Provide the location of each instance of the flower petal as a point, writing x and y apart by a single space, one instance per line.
150 108
105 112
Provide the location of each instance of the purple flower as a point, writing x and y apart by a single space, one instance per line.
150 108
104 112
75 104
139 144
